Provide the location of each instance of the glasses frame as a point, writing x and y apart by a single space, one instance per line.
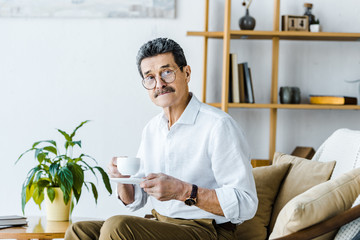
143 80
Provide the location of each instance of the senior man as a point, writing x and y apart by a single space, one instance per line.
194 159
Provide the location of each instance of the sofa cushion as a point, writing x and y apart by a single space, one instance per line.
267 180
343 144
350 230
302 175
318 204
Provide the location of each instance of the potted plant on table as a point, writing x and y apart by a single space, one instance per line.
59 177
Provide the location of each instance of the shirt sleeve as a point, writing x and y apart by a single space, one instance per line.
230 157
140 199
140 196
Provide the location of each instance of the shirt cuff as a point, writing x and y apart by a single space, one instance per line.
237 206
138 196
228 203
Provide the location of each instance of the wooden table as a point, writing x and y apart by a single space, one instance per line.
38 228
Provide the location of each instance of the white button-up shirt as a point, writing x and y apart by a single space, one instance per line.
205 147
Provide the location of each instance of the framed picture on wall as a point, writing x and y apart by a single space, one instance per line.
88 8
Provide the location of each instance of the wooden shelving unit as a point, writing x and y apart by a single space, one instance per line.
275 36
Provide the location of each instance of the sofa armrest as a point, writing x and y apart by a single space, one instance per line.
326 226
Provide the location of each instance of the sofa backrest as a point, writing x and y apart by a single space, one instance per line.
343 146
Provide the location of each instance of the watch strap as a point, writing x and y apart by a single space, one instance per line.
194 191
191 200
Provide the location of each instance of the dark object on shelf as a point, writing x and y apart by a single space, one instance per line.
308 7
294 23
289 95
304 152
247 22
295 98
248 86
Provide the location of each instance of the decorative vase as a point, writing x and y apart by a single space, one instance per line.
247 22
296 97
285 95
289 95
57 210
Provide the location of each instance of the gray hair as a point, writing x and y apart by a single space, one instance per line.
158 46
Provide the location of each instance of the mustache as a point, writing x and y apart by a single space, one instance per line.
166 89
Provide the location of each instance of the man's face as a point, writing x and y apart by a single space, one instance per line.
166 94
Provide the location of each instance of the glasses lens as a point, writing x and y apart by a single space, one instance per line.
168 76
149 83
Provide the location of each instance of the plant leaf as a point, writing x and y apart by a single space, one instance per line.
105 178
67 137
48 141
89 168
66 182
41 157
95 192
51 149
38 196
84 155
31 175
77 143
74 132
38 175
78 176
51 193
43 183
72 207
23 198
26 194
31 149
37 152
77 194
53 169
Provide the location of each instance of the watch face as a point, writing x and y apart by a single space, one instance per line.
190 201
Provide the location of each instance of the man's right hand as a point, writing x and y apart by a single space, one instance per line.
125 191
113 171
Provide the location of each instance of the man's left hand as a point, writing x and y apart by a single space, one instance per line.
164 187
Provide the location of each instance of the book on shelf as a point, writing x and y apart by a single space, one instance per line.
12 220
241 82
332 100
249 93
251 88
235 78
230 98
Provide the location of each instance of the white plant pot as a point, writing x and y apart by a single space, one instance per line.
57 210
315 28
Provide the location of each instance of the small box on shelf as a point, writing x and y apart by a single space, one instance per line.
294 23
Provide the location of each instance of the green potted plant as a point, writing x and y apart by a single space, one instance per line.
59 174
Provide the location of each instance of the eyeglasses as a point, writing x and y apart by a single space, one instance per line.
166 75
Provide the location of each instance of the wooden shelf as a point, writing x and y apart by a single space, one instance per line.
284 35
288 106
275 36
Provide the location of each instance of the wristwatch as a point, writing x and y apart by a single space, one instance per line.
190 201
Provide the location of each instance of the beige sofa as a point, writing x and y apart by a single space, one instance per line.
303 199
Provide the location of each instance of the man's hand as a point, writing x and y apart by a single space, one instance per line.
164 187
113 171
125 191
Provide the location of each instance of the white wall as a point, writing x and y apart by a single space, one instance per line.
55 73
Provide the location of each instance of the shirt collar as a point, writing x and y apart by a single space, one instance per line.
190 113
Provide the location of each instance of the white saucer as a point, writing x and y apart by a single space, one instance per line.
130 180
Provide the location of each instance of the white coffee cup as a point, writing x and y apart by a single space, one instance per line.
128 165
